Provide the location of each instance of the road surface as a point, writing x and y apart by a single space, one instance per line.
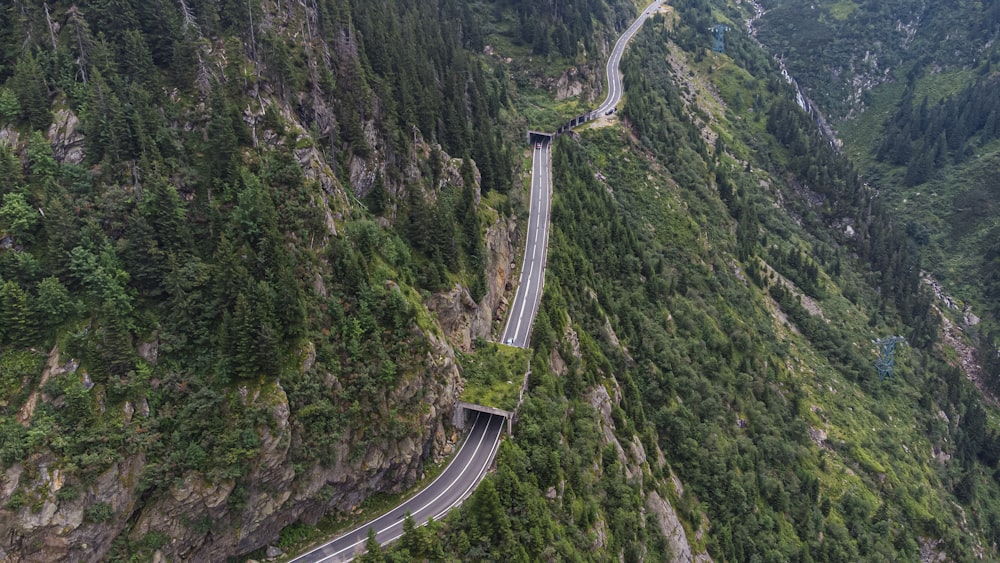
470 464
529 289
455 483
614 74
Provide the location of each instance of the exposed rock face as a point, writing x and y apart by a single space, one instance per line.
66 139
58 529
585 82
671 527
569 84
634 459
9 136
462 319
210 521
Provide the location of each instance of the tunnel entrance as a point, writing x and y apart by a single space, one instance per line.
539 137
464 412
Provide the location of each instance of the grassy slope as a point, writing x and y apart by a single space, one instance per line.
948 214
748 408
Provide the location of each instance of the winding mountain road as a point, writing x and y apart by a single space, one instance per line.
529 288
614 61
476 454
455 483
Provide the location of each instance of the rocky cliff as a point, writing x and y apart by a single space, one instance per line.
461 317
209 520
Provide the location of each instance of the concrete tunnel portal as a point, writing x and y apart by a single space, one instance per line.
463 412
539 137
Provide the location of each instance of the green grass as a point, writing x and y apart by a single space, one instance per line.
863 132
842 9
940 85
493 375
543 113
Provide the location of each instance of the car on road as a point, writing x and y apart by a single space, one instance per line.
538 146
510 341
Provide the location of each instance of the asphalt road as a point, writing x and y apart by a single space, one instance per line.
614 74
473 459
455 483
529 289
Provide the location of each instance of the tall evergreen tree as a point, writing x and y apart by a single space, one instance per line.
32 92
15 316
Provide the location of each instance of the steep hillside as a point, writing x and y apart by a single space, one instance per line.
222 225
723 295
841 50
916 85
241 244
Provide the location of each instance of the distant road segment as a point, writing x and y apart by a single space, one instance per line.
614 62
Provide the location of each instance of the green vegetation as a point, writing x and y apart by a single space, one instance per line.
225 290
493 374
207 262
833 46
842 9
769 412
926 136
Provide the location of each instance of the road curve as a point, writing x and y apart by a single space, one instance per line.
529 288
474 458
455 483
614 61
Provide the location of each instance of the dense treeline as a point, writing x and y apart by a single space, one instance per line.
827 47
892 267
927 138
565 27
119 59
192 225
931 128
894 263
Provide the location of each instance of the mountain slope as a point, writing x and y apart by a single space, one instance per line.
696 280
236 270
214 260
919 119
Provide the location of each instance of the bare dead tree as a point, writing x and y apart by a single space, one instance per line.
204 79
25 17
253 41
52 29
188 18
81 33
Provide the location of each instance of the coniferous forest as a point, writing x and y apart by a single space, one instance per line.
249 251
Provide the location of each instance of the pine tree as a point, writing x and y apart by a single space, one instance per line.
10 108
17 217
373 551
243 342
32 93
15 326
53 304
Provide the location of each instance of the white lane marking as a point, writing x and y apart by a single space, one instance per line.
472 485
525 273
391 526
616 55
534 256
482 473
